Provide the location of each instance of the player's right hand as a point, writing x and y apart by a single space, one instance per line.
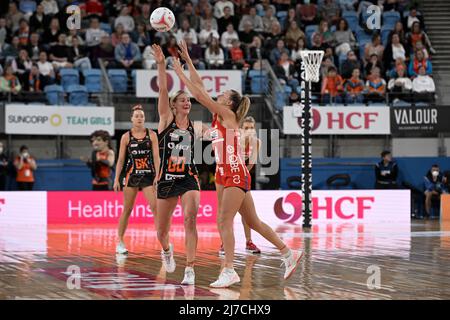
116 186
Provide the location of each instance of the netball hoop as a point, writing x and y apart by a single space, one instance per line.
310 72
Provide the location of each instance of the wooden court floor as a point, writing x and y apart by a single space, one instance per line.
340 262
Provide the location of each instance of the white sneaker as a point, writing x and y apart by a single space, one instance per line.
291 263
227 278
168 260
121 249
189 276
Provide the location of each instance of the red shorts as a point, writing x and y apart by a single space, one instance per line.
242 181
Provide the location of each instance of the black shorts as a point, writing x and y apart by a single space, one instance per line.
140 180
177 187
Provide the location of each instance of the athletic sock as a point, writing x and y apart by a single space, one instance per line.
288 254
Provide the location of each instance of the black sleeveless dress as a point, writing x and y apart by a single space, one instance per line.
178 173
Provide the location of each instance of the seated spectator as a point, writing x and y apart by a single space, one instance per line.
276 53
420 47
189 14
207 16
127 53
399 63
400 86
144 16
300 45
141 36
170 49
94 34
375 87
255 51
22 65
246 36
4 167
186 31
23 33
11 51
308 13
214 55
386 172
269 17
327 62
394 50
226 19
419 61
34 47
59 54
116 36
50 7
332 87
389 5
291 16
195 52
220 8
25 165
374 62
228 37
9 82
348 5
354 88
50 35
148 60
46 69
14 16
5 33
72 35
272 38
317 44
293 33
374 47
39 21
343 39
78 56
412 18
34 81
237 55
330 11
285 71
417 34
423 87
326 36
350 64
206 34
125 19
257 22
104 51
94 8
265 5
434 183
400 31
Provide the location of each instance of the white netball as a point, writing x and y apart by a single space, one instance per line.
162 19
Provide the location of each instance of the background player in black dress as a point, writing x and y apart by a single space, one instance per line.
140 147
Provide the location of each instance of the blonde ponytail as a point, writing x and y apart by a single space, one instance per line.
242 108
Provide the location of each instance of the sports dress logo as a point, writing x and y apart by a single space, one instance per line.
295 200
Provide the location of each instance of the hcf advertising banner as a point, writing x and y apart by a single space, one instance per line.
49 120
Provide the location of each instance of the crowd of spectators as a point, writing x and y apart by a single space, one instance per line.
223 34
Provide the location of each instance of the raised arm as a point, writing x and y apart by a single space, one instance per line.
121 159
202 96
165 114
193 74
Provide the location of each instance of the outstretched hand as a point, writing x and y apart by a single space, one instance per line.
184 52
176 65
158 54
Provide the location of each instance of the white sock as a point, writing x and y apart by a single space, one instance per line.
229 270
288 254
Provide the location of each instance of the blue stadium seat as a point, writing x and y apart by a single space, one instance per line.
309 30
352 18
69 77
385 35
119 79
54 94
287 89
78 95
282 16
106 27
280 100
363 36
253 73
258 84
27 6
133 77
93 80
390 18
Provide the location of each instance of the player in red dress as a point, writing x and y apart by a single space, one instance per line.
232 176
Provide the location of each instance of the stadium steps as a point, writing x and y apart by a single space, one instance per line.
436 14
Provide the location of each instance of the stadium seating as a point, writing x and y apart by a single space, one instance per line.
27 6
119 80
93 80
69 77
54 94
78 95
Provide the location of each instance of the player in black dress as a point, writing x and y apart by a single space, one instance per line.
178 177
139 147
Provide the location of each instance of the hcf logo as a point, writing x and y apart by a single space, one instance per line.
295 200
